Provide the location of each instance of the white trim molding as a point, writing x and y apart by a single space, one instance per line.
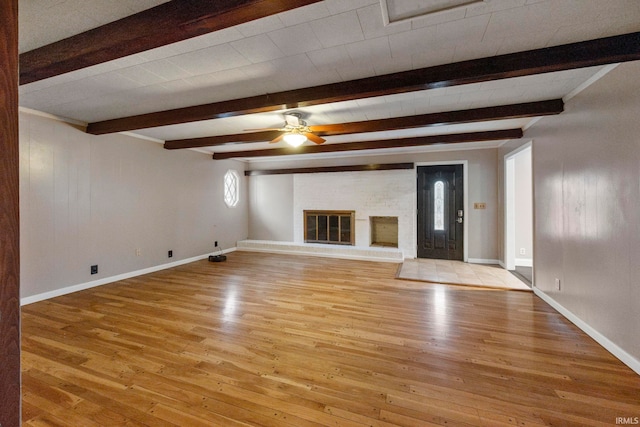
591 80
524 262
483 261
509 220
70 121
95 283
390 16
610 346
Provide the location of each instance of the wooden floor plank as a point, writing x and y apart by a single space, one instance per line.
273 340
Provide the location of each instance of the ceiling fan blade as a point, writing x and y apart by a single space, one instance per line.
277 139
314 138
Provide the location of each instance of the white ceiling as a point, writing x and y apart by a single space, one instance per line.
327 42
47 21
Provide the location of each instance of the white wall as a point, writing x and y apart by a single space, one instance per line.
97 199
586 167
482 169
272 215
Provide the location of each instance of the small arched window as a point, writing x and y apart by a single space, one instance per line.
231 188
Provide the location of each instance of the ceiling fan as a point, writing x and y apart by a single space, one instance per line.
295 131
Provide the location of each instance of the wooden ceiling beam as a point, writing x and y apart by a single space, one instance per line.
512 111
558 58
494 135
327 169
167 23
230 139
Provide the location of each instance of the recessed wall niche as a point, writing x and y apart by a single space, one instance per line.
384 231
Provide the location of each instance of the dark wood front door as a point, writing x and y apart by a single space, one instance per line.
440 212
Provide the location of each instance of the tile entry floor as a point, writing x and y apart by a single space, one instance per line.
459 273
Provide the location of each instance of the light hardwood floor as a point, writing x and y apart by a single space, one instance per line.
276 340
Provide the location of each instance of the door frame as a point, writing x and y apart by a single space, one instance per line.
465 184
509 256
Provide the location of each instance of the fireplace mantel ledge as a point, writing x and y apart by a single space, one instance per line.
383 254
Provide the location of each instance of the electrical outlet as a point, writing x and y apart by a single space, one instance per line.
170 254
94 269
523 251
138 252
557 284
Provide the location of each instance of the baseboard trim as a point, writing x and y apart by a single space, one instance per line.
95 283
483 261
611 347
524 262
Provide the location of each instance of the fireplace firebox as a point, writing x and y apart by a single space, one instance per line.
333 227
384 231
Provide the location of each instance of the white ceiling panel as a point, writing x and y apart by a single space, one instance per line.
340 6
209 60
437 18
258 49
261 26
489 7
473 31
414 41
338 30
330 58
47 21
296 39
367 51
327 42
166 70
432 57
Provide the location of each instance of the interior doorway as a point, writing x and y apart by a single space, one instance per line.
518 245
440 213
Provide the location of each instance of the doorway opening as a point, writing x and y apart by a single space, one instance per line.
518 243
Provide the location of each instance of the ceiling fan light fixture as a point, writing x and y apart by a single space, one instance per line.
294 139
